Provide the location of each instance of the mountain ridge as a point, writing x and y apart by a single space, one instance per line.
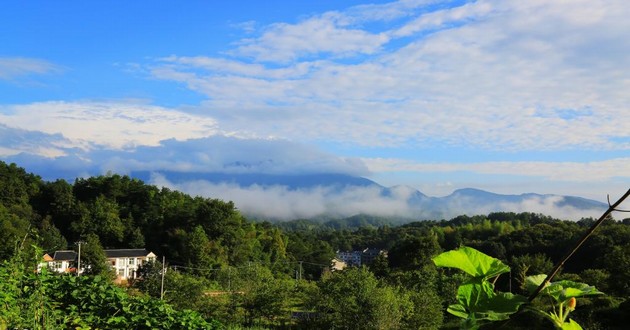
341 191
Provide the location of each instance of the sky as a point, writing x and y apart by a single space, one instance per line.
507 96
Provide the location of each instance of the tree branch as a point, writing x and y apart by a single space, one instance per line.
579 243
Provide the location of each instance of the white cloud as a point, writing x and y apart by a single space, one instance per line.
443 17
14 67
282 203
498 75
558 171
215 154
15 141
220 154
108 124
328 33
386 11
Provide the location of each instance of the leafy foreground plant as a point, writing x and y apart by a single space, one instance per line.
478 303
563 296
31 300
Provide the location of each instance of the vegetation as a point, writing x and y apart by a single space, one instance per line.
220 266
32 300
478 303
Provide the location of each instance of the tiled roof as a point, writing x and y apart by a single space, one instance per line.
126 253
64 255
114 253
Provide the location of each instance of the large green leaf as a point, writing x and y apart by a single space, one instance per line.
574 289
474 293
533 282
501 306
561 291
477 300
458 310
571 325
472 262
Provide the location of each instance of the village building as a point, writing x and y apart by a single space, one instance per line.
125 262
345 259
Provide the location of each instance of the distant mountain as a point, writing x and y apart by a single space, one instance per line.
292 182
337 196
481 196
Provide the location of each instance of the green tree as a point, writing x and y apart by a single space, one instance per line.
106 222
93 258
12 230
199 252
618 263
426 312
262 296
50 238
413 252
354 299
528 264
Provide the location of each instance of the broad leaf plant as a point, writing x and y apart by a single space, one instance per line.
478 302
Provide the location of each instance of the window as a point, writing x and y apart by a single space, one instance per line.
132 261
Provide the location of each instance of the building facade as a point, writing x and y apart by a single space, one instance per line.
125 262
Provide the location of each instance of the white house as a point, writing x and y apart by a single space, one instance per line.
351 258
63 261
358 258
125 262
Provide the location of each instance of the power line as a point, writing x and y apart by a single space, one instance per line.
176 267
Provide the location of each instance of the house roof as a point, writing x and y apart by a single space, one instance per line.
69 255
64 255
127 253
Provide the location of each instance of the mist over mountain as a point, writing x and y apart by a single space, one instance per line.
330 196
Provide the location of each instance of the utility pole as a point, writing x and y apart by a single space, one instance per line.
163 272
79 259
300 270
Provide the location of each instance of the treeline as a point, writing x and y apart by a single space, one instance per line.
277 275
121 212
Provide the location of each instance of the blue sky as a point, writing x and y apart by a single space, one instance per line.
506 96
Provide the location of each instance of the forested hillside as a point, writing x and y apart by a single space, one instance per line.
246 273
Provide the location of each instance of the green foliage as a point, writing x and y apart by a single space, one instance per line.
477 301
12 230
44 301
238 270
93 258
563 294
354 299
199 251
413 252
472 262
261 297
527 264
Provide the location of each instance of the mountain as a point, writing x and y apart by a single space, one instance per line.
327 197
292 182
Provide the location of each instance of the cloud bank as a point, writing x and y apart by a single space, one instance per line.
118 125
216 154
282 203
